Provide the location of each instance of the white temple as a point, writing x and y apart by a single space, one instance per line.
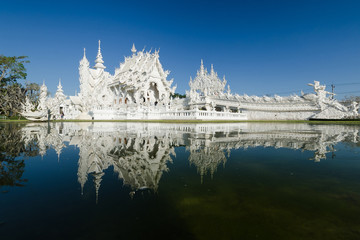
139 89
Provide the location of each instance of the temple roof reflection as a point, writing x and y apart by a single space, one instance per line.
141 152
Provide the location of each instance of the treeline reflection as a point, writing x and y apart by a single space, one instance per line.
140 152
13 152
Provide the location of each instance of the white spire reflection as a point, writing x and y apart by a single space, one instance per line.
140 152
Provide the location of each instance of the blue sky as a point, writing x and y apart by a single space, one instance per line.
262 47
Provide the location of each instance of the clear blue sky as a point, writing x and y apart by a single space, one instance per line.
262 47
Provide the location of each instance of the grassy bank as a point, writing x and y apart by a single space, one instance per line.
13 119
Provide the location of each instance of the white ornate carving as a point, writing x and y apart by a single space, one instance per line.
206 84
28 106
139 89
43 97
28 111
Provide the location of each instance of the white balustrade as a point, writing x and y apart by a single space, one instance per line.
153 113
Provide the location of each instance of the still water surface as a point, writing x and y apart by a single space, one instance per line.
179 181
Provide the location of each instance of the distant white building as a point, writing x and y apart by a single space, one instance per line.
139 89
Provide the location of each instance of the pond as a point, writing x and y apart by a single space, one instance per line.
103 180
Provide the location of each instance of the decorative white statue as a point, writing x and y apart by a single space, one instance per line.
320 90
28 106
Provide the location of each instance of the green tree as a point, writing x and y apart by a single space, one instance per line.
12 93
32 91
175 95
12 69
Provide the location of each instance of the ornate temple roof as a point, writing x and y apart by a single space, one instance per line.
207 83
141 68
99 61
60 93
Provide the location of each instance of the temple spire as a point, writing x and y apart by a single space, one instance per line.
84 57
133 49
97 181
202 71
84 62
59 95
212 73
99 62
59 88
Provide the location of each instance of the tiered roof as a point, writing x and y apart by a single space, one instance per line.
137 71
59 95
99 61
208 84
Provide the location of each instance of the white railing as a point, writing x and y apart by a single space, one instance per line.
203 115
162 114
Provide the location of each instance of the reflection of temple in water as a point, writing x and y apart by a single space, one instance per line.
140 152
138 160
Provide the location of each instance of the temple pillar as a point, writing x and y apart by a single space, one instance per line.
208 107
